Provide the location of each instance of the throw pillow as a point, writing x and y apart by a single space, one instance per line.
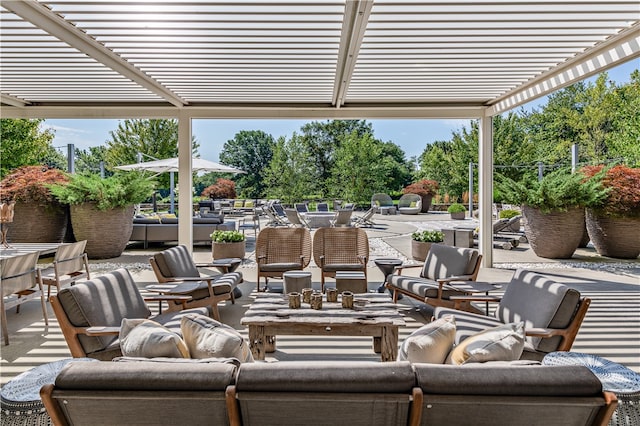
431 343
502 343
148 339
208 338
413 204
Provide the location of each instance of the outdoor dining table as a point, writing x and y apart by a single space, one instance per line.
15 249
319 219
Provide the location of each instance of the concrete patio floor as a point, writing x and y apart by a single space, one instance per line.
611 328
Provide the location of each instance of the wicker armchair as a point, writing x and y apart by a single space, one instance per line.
340 249
279 250
410 204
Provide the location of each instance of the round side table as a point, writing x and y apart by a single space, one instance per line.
616 378
20 402
386 266
228 265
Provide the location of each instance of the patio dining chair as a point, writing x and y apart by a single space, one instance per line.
342 218
20 282
295 220
250 223
70 264
279 250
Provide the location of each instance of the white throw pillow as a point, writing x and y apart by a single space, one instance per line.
208 338
431 343
502 343
149 339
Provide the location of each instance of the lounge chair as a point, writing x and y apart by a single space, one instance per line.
443 266
178 274
365 221
340 249
342 218
301 207
410 204
279 250
20 279
552 313
295 220
273 218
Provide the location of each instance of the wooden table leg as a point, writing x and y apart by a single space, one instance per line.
270 344
257 341
389 343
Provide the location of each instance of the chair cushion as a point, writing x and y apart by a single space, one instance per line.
431 343
149 339
207 338
502 343
445 261
279 267
102 301
176 262
332 267
554 305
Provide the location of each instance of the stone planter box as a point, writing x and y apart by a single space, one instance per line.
420 249
458 215
228 250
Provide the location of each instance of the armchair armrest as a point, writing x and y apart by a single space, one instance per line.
399 269
544 332
102 331
454 278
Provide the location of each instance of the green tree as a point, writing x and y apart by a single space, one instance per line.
360 169
323 138
88 161
157 138
24 143
289 175
250 151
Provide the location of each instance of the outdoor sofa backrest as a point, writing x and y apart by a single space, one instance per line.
446 261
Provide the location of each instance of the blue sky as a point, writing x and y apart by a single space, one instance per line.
411 135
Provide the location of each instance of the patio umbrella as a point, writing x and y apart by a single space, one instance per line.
171 165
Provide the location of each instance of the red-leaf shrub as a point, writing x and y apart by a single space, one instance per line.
31 184
422 187
223 188
623 198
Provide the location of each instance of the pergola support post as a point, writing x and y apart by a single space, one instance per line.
185 182
485 189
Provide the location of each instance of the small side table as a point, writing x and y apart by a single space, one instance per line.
386 266
228 265
295 281
20 402
354 281
616 378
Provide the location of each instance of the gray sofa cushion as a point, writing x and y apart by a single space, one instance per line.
103 301
328 376
421 286
445 261
554 307
333 267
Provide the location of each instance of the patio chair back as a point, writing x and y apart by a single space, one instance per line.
410 204
19 277
273 219
295 219
322 207
145 392
279 250
340 249
444 261
69 265
381 200
277 207
365 219
301 207
342 218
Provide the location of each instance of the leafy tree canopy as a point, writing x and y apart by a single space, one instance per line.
24 143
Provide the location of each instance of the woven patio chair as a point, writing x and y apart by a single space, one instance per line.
279 250
340 249
410 204
70 264
381 200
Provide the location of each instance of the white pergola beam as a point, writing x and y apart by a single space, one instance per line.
13 101
43 18
616 50
354 25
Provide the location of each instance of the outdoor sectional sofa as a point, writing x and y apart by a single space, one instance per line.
164 392
166 229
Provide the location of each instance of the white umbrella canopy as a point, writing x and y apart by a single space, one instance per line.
171 165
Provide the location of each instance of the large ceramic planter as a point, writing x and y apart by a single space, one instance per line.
426 203
614 237
554 235
107 231
420 249
38 223
227 250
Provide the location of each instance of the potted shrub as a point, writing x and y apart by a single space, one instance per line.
426 189
102 209
421 243
613 224
38 215
227 244
553 208
457 211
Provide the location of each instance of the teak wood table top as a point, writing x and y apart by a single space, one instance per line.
374 315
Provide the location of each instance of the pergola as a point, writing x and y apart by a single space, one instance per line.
326 59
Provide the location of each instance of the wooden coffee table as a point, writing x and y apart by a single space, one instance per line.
269 315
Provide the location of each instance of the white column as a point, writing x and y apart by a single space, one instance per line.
485 186
185 182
